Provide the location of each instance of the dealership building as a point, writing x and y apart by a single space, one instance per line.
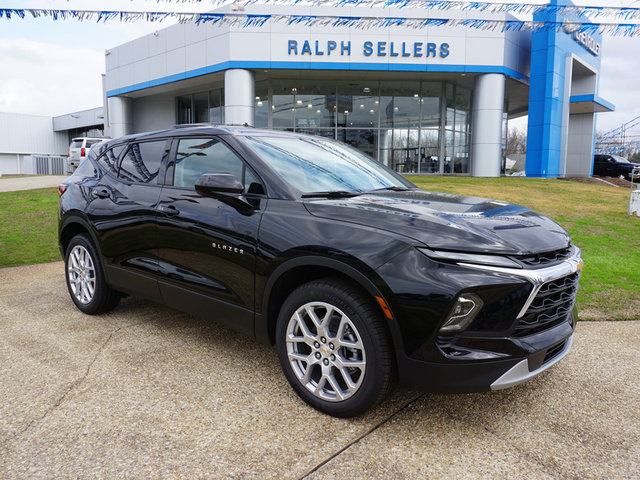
434 99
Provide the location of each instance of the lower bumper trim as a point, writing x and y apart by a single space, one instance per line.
520 373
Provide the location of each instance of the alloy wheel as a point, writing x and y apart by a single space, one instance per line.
325 351
82 274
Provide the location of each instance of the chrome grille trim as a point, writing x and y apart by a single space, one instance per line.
538 277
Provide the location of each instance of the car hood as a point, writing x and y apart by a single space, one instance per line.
449 222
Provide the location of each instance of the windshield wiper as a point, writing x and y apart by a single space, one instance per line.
331 194
393 188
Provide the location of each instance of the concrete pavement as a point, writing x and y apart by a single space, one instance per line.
11 184
148 392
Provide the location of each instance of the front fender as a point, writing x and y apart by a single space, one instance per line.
348 266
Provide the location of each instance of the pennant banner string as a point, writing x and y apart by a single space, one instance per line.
623 13
245 20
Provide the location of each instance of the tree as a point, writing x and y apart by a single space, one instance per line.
516 141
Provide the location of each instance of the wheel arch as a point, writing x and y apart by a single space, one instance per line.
73 226
291 274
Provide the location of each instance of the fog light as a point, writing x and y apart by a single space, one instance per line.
466 308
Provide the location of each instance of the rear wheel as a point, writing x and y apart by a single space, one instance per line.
85 278
334 348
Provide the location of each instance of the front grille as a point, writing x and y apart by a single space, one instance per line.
546 258
553 352
551 306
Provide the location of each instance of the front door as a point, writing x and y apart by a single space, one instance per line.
207 248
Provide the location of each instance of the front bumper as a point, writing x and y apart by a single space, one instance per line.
521 372
526 332
479 376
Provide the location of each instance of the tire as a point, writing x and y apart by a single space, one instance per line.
340 362
85 278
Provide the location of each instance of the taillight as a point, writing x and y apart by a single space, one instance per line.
61 189
82 152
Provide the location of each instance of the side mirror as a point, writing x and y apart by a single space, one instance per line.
226 188
215 184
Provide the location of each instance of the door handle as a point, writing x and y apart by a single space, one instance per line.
102 193
170 210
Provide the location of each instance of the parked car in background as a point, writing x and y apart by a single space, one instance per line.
79 149
612 166
358 277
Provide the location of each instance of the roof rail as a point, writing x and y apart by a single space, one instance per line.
210 124
189 125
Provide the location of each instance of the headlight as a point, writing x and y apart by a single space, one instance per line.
474 258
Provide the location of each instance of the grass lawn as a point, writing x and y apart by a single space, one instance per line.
596 217
29 227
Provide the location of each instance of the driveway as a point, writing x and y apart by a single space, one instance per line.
11 184
147 392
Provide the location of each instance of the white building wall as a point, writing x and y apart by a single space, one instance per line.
154 112
81 119
10 163
22 135
186 51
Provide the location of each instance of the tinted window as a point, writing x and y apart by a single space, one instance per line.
109 161
85 169
76 144
196 156
92 142
141 163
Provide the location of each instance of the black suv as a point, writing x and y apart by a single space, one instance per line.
612 166
359 277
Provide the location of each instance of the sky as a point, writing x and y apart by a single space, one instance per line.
54 67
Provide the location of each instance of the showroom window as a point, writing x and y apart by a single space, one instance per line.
201 107
410 126
457 130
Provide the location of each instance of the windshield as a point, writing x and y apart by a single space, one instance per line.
618 159
313 164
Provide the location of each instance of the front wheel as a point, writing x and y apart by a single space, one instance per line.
85 278
334 348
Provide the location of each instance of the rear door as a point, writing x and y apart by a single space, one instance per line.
207 248
123 211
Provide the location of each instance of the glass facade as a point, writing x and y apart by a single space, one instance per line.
410 126
201 107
